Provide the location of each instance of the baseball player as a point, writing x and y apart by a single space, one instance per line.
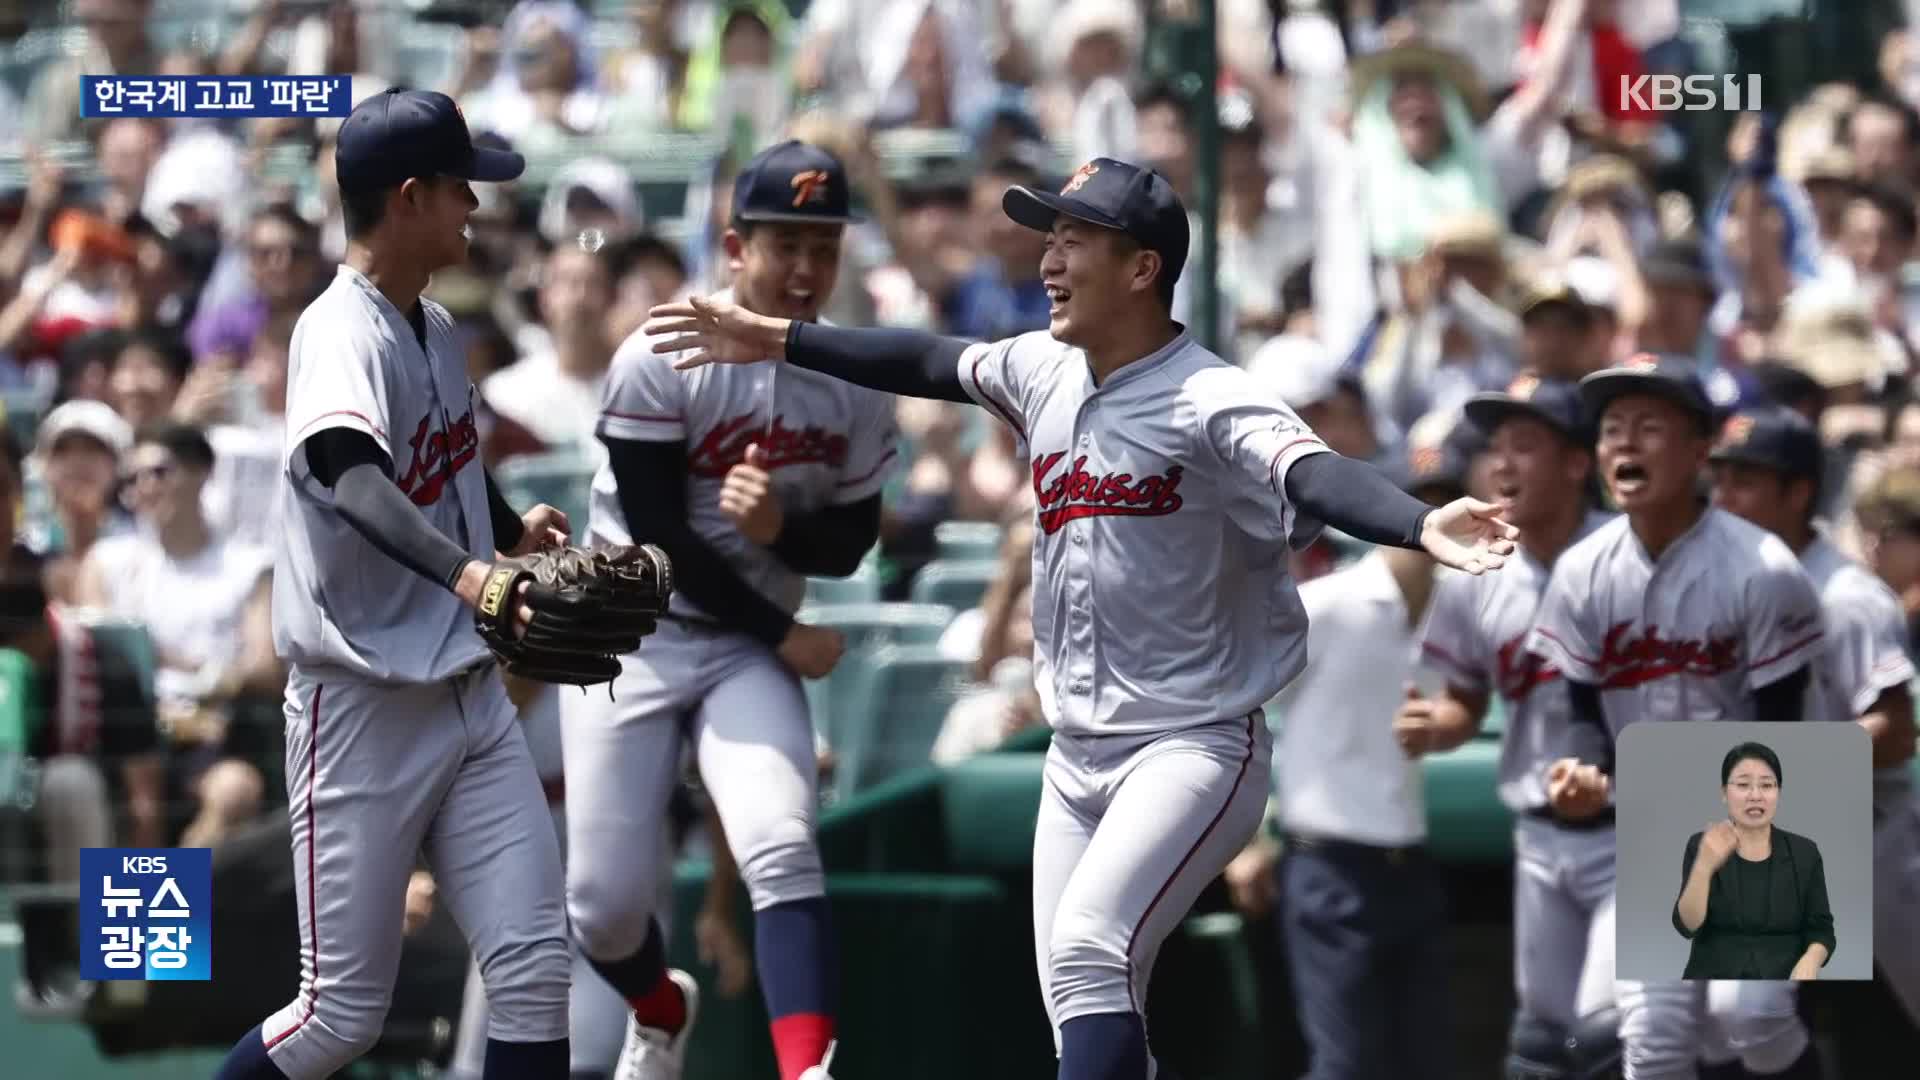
750 479
1675 611
1166 487
1767 468
400 737
1474 644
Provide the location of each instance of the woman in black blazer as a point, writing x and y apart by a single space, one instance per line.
1753 896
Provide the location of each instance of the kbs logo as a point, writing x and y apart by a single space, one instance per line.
146 914
1690 93
437 457
726 446
1632 661
1078 493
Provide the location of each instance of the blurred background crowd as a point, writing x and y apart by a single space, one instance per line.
1410 201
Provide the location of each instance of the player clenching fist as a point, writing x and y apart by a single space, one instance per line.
1577 790
748 500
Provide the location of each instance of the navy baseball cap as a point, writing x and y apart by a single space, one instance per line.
1771 437
400 133
1113 195
794 182
1670 377
1554 402
1438 470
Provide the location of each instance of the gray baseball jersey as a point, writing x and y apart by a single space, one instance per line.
828 443
725 695
1724 611
340 606
401 740
1865 649
1161 593
1475 636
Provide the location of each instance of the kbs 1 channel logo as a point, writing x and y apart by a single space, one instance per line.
1691 93
146 914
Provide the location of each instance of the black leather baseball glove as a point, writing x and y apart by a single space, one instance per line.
589 609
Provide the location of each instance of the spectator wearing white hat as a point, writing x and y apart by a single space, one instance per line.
554 391
94 727
1333 402
77 452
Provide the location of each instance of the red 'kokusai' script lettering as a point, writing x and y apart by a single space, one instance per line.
1078 493
437 457
1630 661
1518 671
726 446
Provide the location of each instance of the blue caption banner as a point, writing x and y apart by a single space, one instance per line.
185 96
146 914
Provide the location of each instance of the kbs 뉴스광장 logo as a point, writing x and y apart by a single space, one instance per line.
146 914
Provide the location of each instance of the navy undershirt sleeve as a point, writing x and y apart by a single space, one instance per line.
1357 499
652 480
830 541
910 363
364 493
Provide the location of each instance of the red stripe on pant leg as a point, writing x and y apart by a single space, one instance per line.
313 908
1240 778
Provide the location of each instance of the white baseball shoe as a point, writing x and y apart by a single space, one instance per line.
819 1072
652 1053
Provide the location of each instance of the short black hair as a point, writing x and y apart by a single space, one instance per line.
170 347
82 351
1788 386
1160 92
184 441
646 247
1166 281
284 213
363 209
1894 202
1752 751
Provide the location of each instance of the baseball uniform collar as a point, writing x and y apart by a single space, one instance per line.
1680 542
1145 364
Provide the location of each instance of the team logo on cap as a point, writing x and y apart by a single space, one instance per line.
1523 387
1080 178
1642 362
1736 430
809 187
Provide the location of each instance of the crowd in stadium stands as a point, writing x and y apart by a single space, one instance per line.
1417 202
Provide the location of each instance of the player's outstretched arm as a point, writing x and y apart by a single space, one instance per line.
1359 500
905 362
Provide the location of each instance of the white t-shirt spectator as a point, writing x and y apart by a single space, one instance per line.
194 608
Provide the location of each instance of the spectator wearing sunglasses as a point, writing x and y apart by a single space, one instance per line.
205 603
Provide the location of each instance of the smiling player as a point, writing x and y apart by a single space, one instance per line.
1167 486
750 479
